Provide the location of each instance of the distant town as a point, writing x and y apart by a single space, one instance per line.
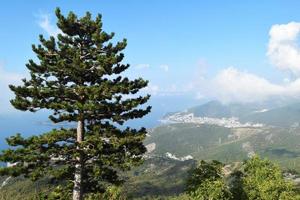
231 122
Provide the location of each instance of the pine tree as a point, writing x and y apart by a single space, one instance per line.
78 78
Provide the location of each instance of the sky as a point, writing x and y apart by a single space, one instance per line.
192 51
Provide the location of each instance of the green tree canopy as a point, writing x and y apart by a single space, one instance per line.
256 179
78 76
206 182
264 180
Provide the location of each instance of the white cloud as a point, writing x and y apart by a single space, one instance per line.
283 50
232 85
7 78
46 24
142 66
152 89
164 67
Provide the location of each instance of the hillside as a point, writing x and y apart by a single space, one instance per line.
231 133
159 176
228 145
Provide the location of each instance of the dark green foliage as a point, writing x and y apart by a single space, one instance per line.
78 77
235 184
204 171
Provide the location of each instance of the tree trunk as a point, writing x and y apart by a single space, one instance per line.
77 190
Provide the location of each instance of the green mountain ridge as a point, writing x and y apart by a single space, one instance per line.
284 115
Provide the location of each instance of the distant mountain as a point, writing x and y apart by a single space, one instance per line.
283 116
216 109
275 115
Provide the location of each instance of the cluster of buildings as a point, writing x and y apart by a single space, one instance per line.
188 157
231 122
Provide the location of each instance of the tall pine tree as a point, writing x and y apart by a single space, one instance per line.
78 77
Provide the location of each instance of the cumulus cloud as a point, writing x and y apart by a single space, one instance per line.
46 24
7 78
283 50
232 85
164 67
142 66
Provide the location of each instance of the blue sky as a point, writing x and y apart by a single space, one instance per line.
197 49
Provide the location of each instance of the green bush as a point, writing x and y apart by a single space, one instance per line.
257 179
